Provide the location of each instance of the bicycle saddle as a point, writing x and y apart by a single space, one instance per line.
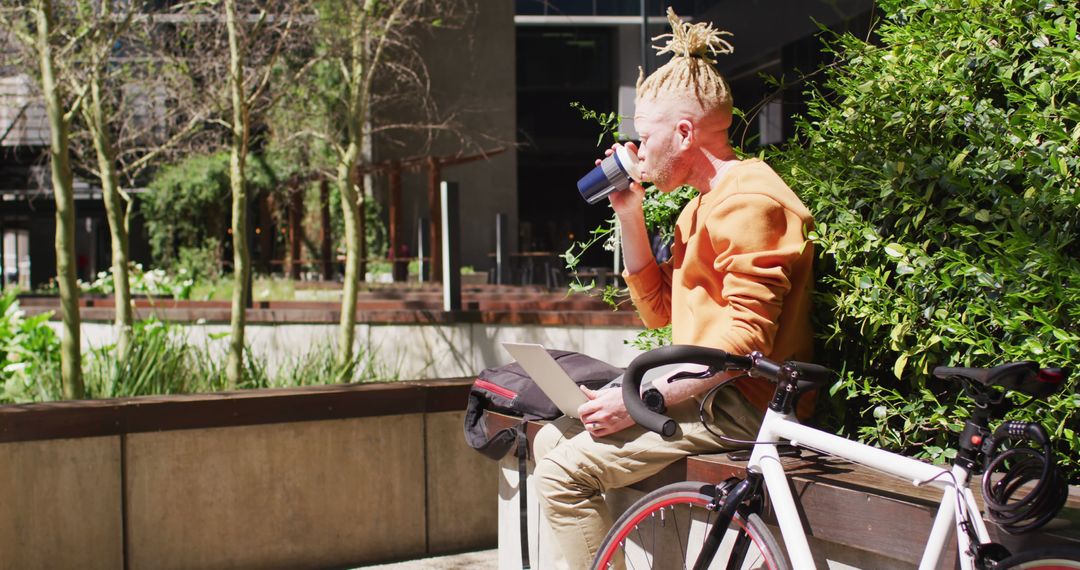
1025 377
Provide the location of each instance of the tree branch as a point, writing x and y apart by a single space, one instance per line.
77 104
11 125
269 66
135 167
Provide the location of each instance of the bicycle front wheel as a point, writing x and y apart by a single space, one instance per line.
1054 558
667 528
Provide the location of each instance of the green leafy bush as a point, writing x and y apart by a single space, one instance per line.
200 263
941 166
29 352
189 203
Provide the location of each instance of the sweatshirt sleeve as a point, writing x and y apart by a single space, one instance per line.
757 242
650 290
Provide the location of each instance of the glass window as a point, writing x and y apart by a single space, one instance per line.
15 261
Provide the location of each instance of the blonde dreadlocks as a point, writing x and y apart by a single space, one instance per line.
691 71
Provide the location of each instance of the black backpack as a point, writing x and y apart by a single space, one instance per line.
508 390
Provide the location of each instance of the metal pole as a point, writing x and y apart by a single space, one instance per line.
500 248
421 249
645 37
451 275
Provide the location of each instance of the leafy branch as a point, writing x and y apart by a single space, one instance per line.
609 122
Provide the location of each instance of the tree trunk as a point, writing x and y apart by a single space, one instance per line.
296 229
238 156
326 239
114 211
264 226
351 211
60 159
348 180
398 257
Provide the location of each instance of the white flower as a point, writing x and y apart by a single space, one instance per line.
16 367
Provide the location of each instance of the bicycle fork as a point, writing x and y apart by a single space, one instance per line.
729 496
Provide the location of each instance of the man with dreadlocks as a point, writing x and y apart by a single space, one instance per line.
739 279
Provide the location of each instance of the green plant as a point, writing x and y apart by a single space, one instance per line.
29 355
379 266
941 166
155 282
162 360
200 262
608 122
188 203
318 366
660 210
158 362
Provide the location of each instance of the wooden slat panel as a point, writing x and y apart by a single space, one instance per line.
856 506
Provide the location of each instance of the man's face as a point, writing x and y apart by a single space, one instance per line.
659 151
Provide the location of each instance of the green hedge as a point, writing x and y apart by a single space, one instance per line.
941 165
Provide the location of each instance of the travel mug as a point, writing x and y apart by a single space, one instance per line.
613 174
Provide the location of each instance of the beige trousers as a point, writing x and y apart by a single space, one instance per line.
573 469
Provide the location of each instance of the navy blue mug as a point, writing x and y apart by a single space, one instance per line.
613 174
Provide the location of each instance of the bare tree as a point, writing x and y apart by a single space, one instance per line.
34 28
127 120
237 50
373 65
97 117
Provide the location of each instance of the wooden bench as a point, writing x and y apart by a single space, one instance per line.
854 516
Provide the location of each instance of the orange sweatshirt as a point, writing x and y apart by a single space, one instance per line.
740 274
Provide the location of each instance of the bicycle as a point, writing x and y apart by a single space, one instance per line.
719 525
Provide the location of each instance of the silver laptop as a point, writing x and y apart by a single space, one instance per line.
547 374
558 386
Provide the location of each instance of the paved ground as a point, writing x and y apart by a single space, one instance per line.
483 559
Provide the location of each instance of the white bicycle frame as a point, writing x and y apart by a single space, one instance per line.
957 501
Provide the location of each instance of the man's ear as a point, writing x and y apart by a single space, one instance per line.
684 129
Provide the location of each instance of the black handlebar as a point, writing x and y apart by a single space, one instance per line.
803 374
677 354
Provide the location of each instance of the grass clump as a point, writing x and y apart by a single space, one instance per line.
162 360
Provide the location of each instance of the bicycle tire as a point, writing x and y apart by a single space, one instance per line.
665 529
1051 558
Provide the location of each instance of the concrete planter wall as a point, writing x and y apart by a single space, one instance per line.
306 478
409 336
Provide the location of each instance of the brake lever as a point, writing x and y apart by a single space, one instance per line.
707 373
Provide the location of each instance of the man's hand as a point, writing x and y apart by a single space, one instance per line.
604 413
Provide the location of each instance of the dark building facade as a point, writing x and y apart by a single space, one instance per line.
528 61
590 51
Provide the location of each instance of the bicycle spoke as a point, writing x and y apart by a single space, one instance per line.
627 558
655 547
640 540
678 536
